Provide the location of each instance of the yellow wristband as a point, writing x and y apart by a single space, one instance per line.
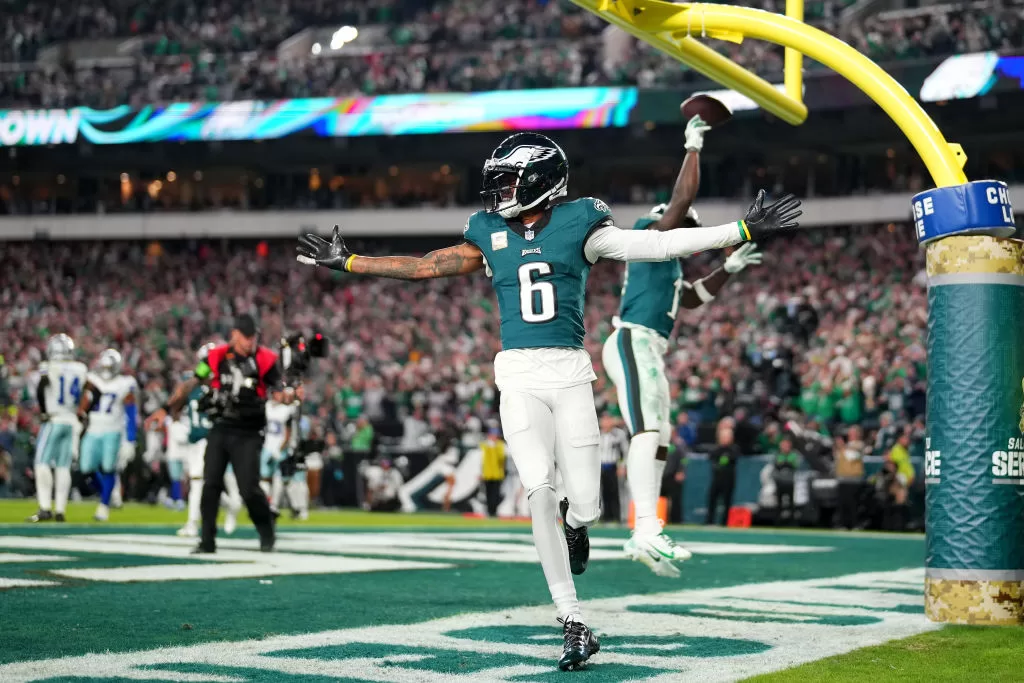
348 262
744 232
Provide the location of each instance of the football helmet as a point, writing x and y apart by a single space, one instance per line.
60 347
109 364
692 219
524 171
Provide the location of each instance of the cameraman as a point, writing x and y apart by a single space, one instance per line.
237 377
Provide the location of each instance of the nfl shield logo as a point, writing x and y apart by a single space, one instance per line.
528 235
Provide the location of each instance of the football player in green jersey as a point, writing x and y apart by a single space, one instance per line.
538 249
634 355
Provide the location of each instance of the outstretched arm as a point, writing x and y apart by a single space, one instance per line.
651 245
688 180
458 260
461 259
648 245
705 289
178 399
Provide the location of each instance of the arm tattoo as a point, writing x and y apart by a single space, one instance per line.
181 392
461 259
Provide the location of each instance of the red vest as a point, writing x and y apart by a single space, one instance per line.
265 359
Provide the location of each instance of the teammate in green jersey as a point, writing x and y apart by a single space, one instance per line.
538 249
634 355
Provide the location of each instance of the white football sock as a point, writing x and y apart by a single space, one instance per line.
298 496
549 541
640 469
659 473
62 489
115 495
195 497
44 486
232 496
276 491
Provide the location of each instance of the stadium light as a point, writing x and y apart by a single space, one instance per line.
316 48
345 34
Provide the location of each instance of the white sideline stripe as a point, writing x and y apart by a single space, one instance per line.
23 583
791 642
279 564
10 558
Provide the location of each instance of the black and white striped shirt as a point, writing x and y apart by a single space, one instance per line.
613 446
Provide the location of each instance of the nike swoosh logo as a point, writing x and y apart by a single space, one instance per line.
656 556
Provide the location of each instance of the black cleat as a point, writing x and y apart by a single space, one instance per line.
59 517
578 541
580 644
203 550
41 516
267 541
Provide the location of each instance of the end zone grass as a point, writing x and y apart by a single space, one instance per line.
955 653
16 511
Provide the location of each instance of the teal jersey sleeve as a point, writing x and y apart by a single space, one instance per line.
596 211
651 290
199 424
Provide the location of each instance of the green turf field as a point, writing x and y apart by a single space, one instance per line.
351 596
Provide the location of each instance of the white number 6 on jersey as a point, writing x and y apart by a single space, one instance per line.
528 289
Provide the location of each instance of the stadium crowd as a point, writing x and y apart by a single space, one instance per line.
828 335
190 50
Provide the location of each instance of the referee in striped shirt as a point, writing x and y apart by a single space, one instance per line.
613 447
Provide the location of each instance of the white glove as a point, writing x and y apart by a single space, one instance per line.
745 255
695 130
125 454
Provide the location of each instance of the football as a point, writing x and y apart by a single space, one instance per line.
713 111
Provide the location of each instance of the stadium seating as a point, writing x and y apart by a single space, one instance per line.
146 53
835 331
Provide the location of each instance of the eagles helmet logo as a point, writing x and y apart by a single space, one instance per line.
526 170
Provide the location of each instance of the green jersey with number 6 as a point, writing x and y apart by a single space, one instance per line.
539 272
198 424
650 291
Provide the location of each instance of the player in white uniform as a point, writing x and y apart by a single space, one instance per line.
281 428
108 408
60 387
177 452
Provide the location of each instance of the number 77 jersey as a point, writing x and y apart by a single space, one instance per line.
539 272
108 414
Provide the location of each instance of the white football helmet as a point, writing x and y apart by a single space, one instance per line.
109 364
60 347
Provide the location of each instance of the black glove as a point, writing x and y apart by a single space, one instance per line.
292 464
764 222
211 402
314 250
